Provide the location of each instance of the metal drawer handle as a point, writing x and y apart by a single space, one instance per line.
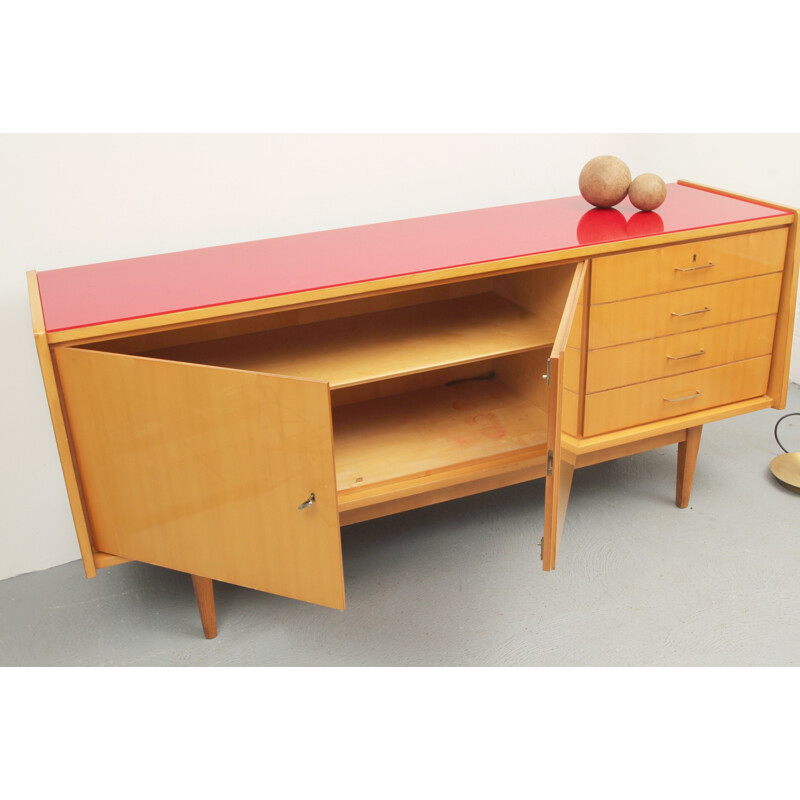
690 355
685 397
692 269
689 313
306 503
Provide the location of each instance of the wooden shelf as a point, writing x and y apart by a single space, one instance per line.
416 434
379 345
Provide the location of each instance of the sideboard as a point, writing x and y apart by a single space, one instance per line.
224 411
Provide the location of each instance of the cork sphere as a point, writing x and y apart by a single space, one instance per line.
604 181
647 191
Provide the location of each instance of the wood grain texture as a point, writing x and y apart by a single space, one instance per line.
551 537
204 593
297 314
683 266
415 382
592 444
570 412
526 374
687 461
51 388
446 484
680 394
421 433
572 369
103 560
371 347
623 450
685 310
542 291
202 470
559 478
782 352
681 352
569 317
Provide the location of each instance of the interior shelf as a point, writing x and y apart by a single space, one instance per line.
416 433
374 346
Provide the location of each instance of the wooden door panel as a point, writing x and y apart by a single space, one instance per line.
203 469
558 481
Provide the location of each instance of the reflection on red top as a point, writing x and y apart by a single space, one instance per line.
601 225
140 287
644 223
610 225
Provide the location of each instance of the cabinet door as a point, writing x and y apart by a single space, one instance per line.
559 470
207 470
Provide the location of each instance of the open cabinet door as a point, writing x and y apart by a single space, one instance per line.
217 472
558 481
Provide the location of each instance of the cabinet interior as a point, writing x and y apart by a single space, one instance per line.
420 380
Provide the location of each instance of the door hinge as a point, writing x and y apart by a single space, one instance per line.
541 548
546 376
549 463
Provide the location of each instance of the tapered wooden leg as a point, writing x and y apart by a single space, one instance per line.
687 460
204 592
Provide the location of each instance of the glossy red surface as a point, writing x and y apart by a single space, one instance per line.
140 287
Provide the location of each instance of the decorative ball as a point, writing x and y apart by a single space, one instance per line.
647 191
604 181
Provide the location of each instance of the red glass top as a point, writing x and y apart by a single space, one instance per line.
141 287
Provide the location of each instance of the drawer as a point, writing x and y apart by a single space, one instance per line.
681 352
671 397
682 266
676 312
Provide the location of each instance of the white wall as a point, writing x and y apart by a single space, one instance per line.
78 199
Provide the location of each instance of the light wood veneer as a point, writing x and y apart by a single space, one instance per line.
685 310
679 394
683 266
646 360
232 440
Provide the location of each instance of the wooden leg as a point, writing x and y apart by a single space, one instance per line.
204 592
687 460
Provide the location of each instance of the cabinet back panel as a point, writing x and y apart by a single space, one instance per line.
462 373
543 292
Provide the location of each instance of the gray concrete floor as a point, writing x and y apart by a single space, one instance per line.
639 582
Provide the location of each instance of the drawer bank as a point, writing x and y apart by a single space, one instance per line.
223 411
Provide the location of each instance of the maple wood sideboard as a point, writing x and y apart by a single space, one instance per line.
223 411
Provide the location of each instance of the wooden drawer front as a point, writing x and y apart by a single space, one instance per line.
682 352
676 312
682 266
671 397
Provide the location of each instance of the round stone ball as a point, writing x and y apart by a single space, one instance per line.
604 181
647 191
